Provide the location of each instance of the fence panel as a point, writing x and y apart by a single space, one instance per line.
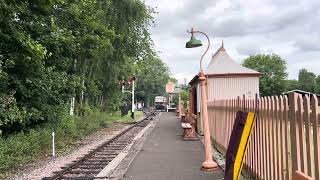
315 117
287 152
285 137
306 117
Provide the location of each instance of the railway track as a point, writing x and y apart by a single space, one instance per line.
87 167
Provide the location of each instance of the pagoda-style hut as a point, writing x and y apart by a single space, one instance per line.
226 79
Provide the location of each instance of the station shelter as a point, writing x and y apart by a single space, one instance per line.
226 79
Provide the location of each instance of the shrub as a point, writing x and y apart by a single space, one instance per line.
28 146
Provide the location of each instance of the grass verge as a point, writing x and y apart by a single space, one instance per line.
25 147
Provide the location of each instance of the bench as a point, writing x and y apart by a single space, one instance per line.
188 131
186 125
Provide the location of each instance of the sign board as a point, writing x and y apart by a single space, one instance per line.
170 87
238 144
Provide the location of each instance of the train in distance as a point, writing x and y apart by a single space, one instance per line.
160 103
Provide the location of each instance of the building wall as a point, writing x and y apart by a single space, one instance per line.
232 87
199 120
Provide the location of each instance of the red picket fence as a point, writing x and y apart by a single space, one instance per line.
286 135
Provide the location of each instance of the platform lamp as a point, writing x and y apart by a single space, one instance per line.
208 164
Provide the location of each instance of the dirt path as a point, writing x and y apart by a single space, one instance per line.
45 167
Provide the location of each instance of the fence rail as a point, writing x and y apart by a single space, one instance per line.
286 135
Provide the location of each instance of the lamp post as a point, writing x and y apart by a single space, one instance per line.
208 163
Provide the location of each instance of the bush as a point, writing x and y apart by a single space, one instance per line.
21 148
25 147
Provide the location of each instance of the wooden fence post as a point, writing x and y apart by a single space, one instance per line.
316 143
306 120
293 131
287 152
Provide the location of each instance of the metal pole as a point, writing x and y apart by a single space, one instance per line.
132 100
179 106
208 163
53 147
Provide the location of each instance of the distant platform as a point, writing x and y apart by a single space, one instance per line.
171 109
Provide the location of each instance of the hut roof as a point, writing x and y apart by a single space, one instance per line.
222 64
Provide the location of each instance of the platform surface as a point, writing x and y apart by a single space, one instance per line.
166 156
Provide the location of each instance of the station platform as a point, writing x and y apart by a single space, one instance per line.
166 156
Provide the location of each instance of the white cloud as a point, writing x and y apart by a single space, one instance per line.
289 28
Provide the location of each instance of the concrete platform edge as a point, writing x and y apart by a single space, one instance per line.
119 165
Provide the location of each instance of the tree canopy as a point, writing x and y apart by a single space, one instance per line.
307 81
152 76
273 67
55 50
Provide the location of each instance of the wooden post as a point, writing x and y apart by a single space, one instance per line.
287 138
316 135
306 118
293 131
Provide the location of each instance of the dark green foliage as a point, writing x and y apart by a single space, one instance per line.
317 89
292 85
184 95
152 75
273 67
54 50
307 81
51 51
26 147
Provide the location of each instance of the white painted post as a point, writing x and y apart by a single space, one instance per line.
53 147
73 99
82 93
132 99
71 112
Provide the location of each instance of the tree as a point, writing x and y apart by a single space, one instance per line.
152 75
307 81
291 85
184 95
273 67
317 90
55 50
173 80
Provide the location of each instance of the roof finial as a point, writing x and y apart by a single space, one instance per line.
222 45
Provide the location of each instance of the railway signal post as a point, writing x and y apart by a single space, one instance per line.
131 81
132 93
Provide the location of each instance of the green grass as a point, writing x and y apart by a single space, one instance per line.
26 147
127 118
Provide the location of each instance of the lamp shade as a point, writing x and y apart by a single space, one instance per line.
193 43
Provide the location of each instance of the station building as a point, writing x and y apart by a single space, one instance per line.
226 79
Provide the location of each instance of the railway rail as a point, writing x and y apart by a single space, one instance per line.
87 167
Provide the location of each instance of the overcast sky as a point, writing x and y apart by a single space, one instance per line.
289 28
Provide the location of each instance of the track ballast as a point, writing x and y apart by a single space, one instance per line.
96 160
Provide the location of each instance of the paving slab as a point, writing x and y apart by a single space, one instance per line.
166 156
